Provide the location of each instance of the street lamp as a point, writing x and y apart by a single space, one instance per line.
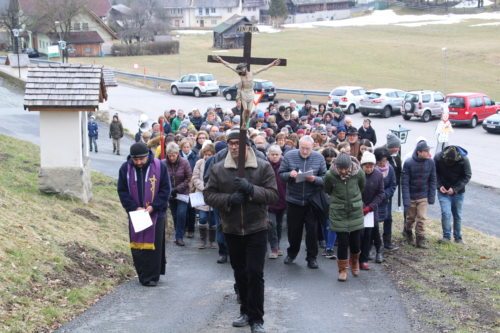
445 56
16 32
61 42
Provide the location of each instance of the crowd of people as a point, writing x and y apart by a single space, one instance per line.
306 168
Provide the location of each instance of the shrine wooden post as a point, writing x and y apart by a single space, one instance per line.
247 58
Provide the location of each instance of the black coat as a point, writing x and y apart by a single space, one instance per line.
374 194
367 133
455 175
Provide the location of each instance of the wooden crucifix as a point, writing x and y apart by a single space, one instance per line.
245 87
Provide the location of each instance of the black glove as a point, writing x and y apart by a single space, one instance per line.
244 186
174 192
237 198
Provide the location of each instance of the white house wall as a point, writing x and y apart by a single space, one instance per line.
320 16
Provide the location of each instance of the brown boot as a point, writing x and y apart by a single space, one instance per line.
355 263
343 265
203 236
408 235
421 243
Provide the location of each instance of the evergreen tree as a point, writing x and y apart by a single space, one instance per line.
278 11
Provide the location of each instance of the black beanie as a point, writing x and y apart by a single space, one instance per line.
139 149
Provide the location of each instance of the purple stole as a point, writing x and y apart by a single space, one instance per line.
144 240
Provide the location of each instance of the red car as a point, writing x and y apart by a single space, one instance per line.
470 108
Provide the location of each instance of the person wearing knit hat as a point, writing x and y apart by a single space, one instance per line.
144 185
344 183
393 141
373 195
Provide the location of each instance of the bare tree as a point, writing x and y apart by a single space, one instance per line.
58 15
12 18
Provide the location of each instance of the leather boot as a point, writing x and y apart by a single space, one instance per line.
203 236
408 235
343 265
421 243
211 237
355 263
379 258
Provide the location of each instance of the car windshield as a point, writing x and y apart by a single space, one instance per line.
456 102
411 97
206 77
372 94
267 84
338 92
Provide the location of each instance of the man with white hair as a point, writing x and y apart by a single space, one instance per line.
298 195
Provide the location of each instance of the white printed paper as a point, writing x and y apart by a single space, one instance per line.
140 220
182 197
197 199
369 220
301 176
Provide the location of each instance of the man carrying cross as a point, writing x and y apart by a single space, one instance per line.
242 204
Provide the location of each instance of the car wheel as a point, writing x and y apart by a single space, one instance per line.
196 92
409 106
214 93
174 90
387 112
365 113
426 116
473 122
405 117
228 96
351 109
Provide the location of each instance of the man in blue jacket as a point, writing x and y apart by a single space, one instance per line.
93 131
419 191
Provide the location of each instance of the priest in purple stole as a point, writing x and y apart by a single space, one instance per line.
143 184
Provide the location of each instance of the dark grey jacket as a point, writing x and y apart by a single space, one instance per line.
300 193
419 180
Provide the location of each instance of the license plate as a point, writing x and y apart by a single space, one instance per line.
453 113
270 94
490 126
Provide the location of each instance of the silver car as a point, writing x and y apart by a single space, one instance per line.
423 104
383 101
197 84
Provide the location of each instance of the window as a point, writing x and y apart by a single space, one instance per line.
479 101
85 26
200 11
76 26
230 10
426 98
214 22
207 11
488 101
87 50
438 98
213 10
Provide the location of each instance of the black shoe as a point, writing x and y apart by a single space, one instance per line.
222 259
150 284
258 328
288 260
390 247
179 242
379 258
312 264
241 321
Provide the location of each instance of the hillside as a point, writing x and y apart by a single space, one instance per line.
57 256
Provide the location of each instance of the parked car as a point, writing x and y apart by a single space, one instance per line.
259 85
492 123
383 101
347 96
32 53
197 84
423 104
470 108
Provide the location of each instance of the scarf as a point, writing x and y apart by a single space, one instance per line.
384 169
144 240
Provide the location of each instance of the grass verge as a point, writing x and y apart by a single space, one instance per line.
449 287
57 256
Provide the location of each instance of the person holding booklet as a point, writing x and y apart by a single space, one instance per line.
373 195
144 185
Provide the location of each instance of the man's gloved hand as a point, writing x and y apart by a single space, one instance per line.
236 198
174 192
366 210
244 186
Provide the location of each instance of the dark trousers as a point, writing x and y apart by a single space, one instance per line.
247 255
348 240
388 223
370 236
191 218
297 217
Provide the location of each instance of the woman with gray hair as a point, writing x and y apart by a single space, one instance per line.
276 211
180 176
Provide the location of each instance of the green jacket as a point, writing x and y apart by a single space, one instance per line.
346 204
176 123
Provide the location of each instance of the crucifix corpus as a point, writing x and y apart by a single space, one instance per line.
245 86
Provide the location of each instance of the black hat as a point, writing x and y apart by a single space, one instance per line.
352 131
423 146
234 134
343 161
139 149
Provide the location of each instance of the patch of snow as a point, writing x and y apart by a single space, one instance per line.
472 4
192 32
267 29
388 17
486 24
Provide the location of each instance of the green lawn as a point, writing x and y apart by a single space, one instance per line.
374 56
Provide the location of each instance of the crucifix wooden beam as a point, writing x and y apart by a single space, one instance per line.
247 58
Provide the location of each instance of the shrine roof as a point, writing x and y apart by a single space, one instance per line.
65 87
